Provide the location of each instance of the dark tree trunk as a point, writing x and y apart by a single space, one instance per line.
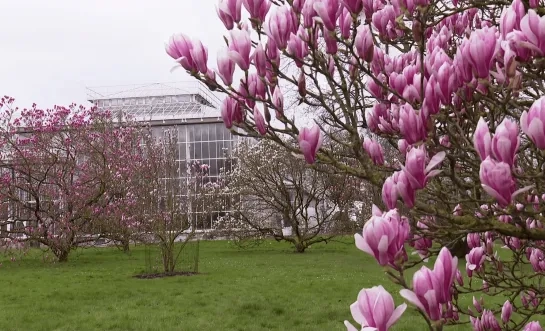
62 255
126 246
300 248
458 248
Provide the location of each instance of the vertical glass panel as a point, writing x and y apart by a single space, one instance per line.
198 132
181 133
215 170
219 131
211 132
191 130
198 151
205 150
182 147
213 150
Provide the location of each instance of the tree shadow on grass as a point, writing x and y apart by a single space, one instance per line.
166 274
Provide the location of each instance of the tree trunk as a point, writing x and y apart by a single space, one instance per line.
126 246
62 254
458 248
168 258
300 247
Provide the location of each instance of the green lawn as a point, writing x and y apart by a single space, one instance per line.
265 288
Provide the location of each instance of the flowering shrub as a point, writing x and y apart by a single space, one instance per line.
456 85
58 169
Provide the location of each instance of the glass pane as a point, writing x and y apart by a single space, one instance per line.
204 132
191 130
211 132
182 148
213 150
198 151
198 132
218 129
181 133
205 150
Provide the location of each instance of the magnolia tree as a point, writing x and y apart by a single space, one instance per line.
169 198
56 167
274 194
457 86
114 217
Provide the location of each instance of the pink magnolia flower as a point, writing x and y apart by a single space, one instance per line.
475 259
532 123
482 139
179 48
260 124
537 259
280 26
310 141
483 46
364 44
226 67
354 6
278 100
431 289
497 180
345 23
375 310
384 237
445 271
506 311
240 46
533 326
505 142
257 9
297 48
474 240
229 12
532 27
374 150
424 293
260 60
231 112
415 166
327 11
389 193
412 124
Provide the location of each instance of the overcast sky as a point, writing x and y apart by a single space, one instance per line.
51 50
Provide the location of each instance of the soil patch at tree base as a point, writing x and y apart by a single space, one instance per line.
165 274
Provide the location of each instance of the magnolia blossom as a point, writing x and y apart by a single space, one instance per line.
384 236
375 310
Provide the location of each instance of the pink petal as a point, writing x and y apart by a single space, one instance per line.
495 194
349 327
356 313
396 315
524 122
435 161
361 244
522 190
412 298
383 249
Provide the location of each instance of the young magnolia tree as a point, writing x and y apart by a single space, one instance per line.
169 198
457 86
56 167
276 195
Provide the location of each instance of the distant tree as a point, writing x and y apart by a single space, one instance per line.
169 198
275 194
56 168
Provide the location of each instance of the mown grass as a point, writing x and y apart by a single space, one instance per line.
265 288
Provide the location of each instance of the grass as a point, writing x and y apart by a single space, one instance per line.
265 288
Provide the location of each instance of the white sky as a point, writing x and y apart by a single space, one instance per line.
52 49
